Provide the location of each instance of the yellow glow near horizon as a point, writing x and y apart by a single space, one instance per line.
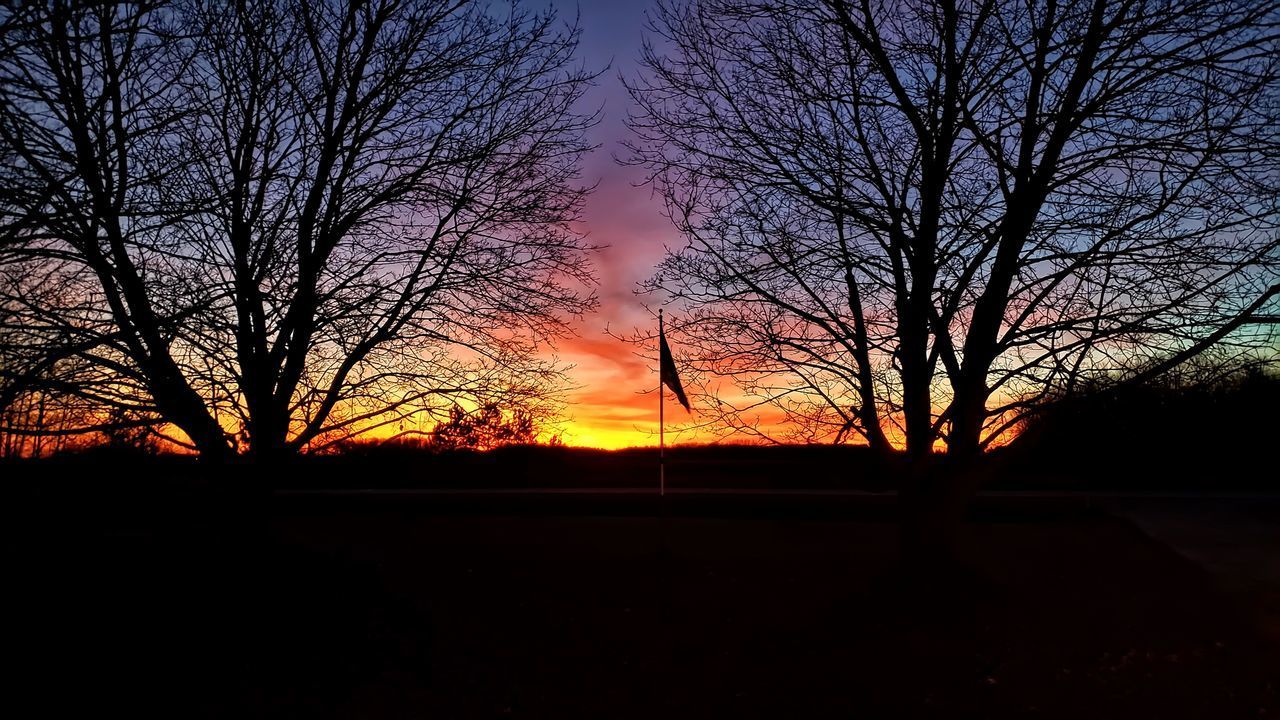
581 436
608 432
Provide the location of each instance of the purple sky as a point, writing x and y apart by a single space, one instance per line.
607 409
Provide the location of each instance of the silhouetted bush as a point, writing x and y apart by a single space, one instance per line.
1166 435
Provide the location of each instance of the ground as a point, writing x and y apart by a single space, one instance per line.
217 605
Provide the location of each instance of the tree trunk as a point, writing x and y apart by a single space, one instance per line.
269 438
968 413
183 406
936 496
917 398
927 532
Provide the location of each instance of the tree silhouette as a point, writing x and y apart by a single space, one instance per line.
931 216
293 221
485 429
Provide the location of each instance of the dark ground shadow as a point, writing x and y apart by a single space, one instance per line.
208 610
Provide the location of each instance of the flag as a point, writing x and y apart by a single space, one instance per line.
667 369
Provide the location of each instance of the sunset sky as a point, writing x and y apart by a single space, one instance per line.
375 279
608 409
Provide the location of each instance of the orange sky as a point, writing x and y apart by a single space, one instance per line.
607 409
610 408
613 405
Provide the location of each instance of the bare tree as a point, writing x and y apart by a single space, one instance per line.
1135 203
90 92
927 215
483 429
304 220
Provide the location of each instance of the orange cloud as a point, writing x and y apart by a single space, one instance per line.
609 408
615 405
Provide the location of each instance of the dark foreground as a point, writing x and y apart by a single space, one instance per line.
303 607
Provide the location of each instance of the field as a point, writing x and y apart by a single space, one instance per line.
197 601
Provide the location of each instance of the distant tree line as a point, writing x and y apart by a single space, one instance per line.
1195 428
264 226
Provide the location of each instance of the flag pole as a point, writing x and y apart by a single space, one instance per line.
662 449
